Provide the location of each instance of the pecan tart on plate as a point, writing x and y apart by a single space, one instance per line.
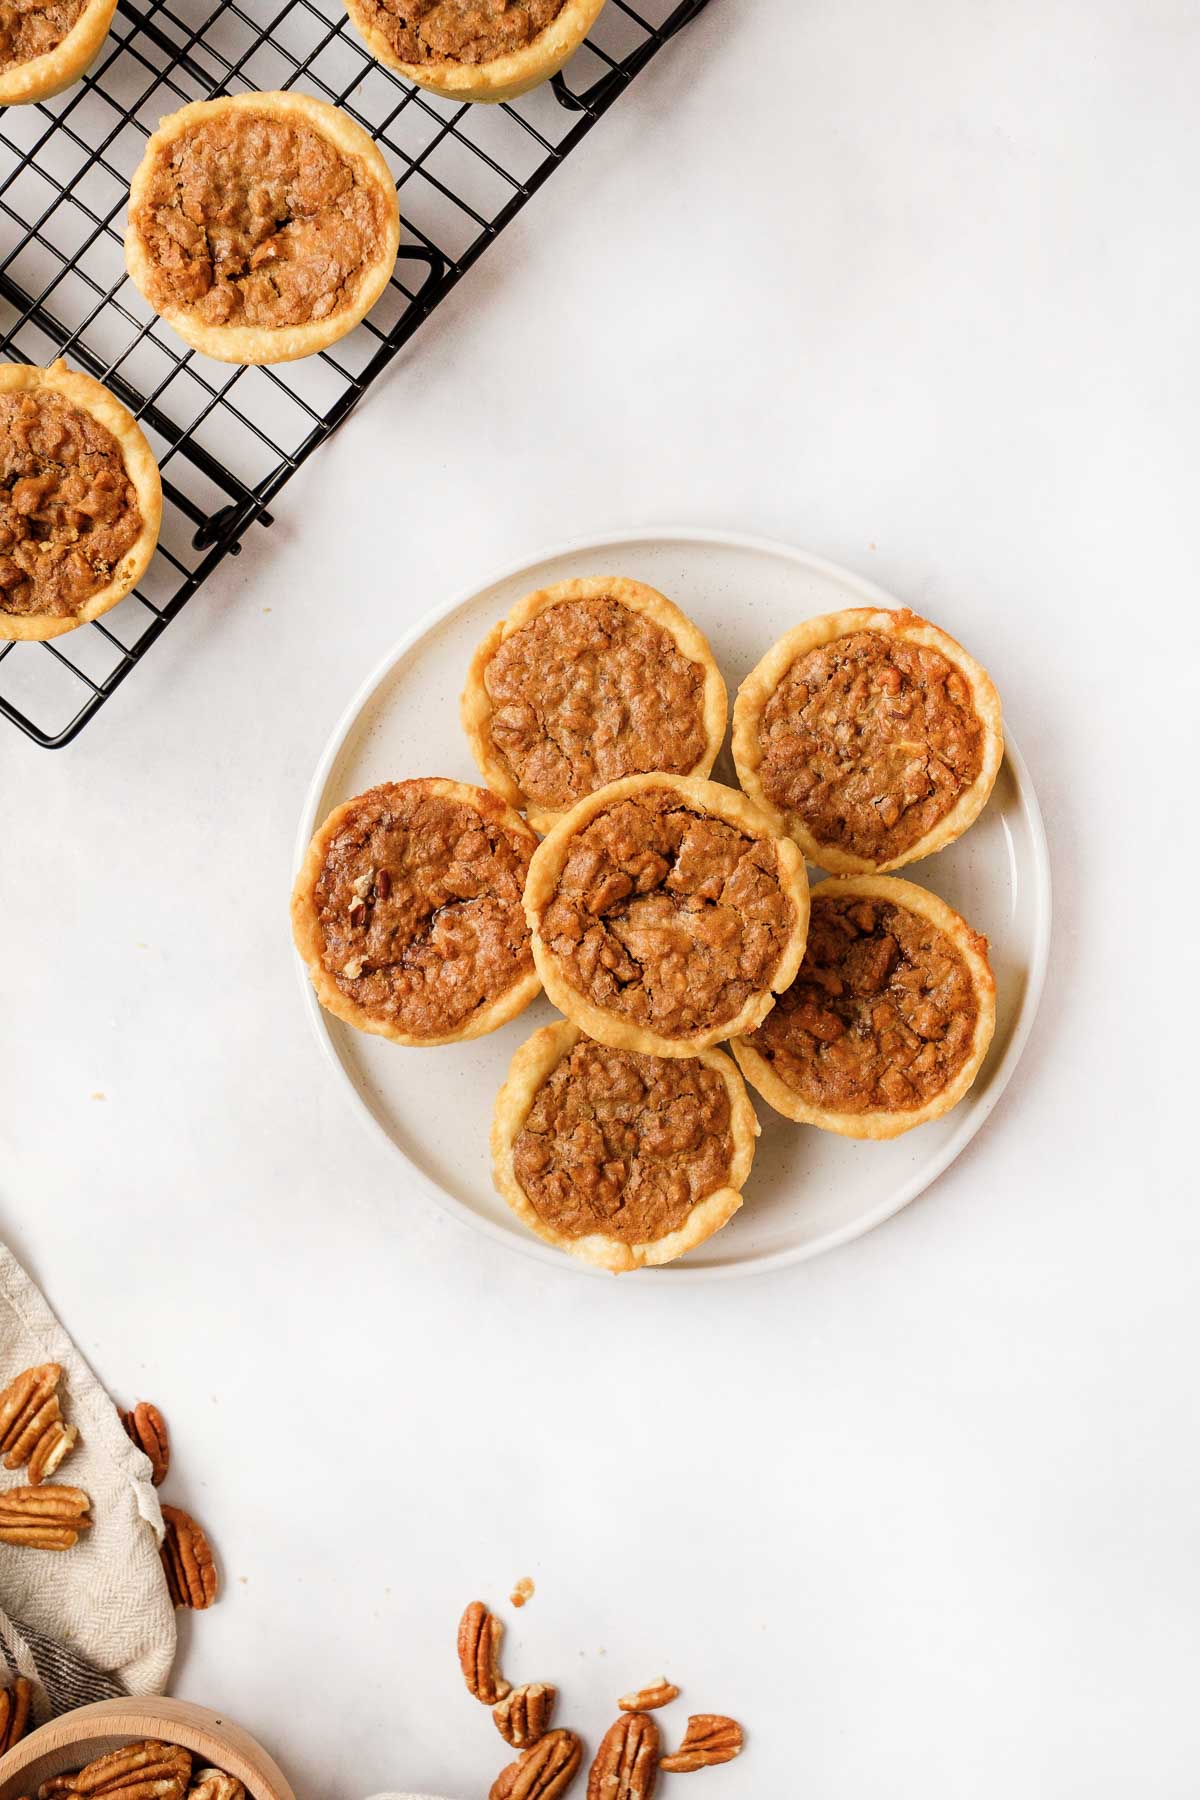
474 49
45 45
262 227
585 682
666 914
80 500
870 736
407 910
888 1022
622 1159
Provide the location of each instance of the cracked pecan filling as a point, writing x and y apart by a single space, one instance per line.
624 1144
252 219
668 916
870 740
881 1016
462 31
30 28
589 691
419 904
68 510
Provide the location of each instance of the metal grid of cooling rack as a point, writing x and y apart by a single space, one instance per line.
227 440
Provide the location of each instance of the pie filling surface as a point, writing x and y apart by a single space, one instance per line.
588 691
668 916
870 740
68 510
881 1016
255 219
30 28
419 904
463 31
624 1144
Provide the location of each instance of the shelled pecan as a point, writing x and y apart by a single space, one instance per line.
479 1634
626 1764
524 1716
147 1427
49 1517
647 1699
187 1561
542 1773
710 1738
32 1431
214 1784
15 1704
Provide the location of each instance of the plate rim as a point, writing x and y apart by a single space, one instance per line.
907 1191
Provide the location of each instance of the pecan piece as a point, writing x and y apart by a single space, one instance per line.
53 1448
187 1561
15 1703
479 1634
709 1738
542 1773
214 1784
22 1398
524 1716
656 1693
626 1764
43 1518
147 1427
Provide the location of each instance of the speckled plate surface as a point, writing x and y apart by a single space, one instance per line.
809 1190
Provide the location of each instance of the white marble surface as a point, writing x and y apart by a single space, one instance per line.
914 287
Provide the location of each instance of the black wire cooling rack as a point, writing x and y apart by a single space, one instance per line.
227 440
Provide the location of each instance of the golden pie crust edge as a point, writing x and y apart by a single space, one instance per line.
251 344
531 1067
889 1123
91 396
503 77
637 597
704 797
755 693
44 76
310 942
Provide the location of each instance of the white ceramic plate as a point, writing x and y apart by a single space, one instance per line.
809 1190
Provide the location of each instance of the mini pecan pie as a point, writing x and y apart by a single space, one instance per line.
80 501
474 49
870 736
262 227
585 682
666 914
620 1158
889 1019
45 45
407 910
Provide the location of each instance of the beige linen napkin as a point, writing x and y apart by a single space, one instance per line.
86 1623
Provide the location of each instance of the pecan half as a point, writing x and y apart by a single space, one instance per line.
149 1761
542 1773
187 1561
479 1634
215 1784
52 1449
654 1694
626 1764
22 1398
148 1429
48 1414
43 1518
524 1716
15 1703
709 1738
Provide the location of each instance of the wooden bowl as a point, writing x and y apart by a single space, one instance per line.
90 1731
